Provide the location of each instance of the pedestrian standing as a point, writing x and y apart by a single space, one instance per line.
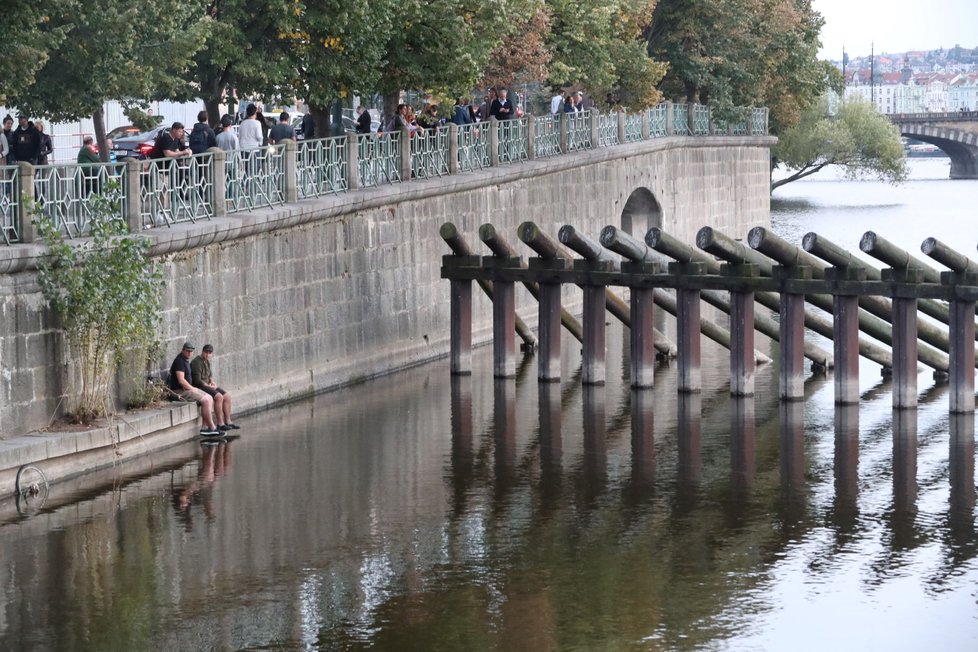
47 145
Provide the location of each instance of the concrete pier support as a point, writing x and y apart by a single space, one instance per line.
460 336
791 380
688 340
904 353
504 329
594 335
548 360
961 356
742 363
641 338
845 348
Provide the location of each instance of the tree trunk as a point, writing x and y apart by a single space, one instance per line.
320 118
390 106
98 119
213 106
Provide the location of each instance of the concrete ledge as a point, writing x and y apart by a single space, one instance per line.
63 455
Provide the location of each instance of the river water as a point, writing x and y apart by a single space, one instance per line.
421 512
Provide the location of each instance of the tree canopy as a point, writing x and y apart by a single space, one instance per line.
858 139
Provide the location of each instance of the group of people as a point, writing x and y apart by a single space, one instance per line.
26 143
561 102
192 380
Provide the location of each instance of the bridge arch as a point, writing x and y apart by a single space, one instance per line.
641 212
960 146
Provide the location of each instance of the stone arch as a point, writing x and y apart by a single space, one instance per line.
642 211
961 147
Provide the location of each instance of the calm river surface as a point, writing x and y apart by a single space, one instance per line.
418 512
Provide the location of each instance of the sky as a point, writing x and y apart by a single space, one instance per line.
896 25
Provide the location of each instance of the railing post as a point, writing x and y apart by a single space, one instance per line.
405 136
646 125
621 127
493 142
669 129
219 162
26 228
352 161
452 148
563 121
289 167
531 138
595 117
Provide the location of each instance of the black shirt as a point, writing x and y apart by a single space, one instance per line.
180 363
167 143
26 144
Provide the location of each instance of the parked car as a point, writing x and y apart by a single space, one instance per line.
138 146
124 131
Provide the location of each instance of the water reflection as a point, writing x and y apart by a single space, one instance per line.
215 462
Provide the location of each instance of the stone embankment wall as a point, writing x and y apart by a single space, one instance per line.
313 295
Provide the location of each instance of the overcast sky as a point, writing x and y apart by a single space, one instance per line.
896 25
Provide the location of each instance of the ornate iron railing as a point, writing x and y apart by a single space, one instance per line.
512 140
62 193
320 167
379 159
633 127
758 121
174 190
254 178
701 120
578 130
607 129
10 203
658 120
429 153
473 147
547 136
680 120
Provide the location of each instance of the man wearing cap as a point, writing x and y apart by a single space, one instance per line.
202 379
180 375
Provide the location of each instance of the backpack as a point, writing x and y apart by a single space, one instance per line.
198 141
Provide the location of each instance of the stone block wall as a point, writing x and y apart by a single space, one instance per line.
301 298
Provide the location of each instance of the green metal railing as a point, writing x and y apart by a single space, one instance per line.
63 193
10 203
547 136
321 167
607 129
157 193
512 140
578 130
473 147
429 153
254 178
633 127
379 159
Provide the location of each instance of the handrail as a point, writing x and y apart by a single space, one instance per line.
159 193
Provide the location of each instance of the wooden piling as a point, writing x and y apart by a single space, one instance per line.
904 352
791 379
503 329
742 365
460 337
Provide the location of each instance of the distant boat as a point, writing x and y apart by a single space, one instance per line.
923 150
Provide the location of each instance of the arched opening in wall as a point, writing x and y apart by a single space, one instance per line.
642 211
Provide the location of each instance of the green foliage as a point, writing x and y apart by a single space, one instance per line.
598 46
732 53
140 118
27 39
107 293
858 139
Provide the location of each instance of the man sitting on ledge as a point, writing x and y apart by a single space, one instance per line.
180 375
202 379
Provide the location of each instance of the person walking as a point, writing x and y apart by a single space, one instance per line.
202 137
363 120
47 145
249 131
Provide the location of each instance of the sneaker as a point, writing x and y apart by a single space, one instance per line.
233 426
204 432
224 428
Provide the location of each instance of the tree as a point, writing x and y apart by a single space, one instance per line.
108 53
27 40
858 139
523 56
107 293
600 46
731 53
